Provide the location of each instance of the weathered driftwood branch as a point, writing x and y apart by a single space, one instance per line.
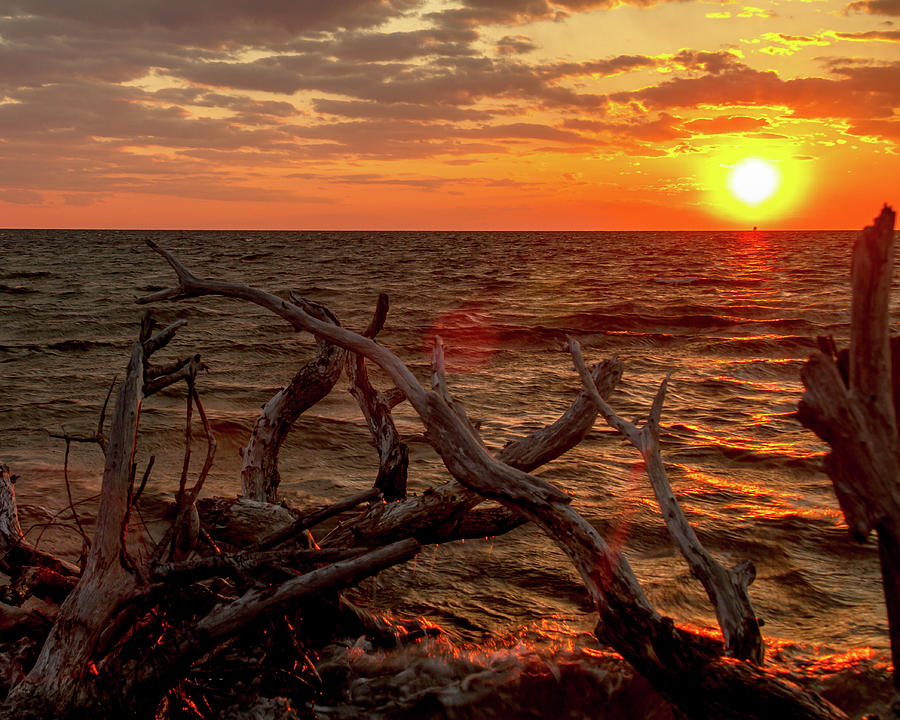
95 437
529 487
259 469
16 553
243 563
678 663
181 536
438 513
59 672
242 522
111 578
314 518
857 416
726 588
393 454
439 386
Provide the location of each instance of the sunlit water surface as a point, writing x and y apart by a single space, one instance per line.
733 315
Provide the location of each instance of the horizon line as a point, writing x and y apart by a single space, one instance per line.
428 230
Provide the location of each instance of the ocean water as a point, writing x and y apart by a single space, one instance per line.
732 315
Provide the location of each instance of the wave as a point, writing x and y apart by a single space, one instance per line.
76 345
16 290
516 677
25 275
701 280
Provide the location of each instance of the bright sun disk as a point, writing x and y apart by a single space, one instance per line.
753 181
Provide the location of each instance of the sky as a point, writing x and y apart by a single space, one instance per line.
456 114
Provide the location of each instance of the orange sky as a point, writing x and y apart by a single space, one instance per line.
465 114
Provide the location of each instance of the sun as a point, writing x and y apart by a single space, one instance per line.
753 181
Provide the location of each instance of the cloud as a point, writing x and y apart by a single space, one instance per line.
211 23
21 197
724 124
790 44
875 7
882 35
514 45
606 67
662 129
474 13
859 91
876 129
713 63
397 111
371 46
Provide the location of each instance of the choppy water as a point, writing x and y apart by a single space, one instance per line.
733 315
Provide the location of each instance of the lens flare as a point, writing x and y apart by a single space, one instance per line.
753 181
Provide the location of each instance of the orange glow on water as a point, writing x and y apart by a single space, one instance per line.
469 338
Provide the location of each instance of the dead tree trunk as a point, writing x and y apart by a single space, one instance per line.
857 416
108 580
680 665
259 469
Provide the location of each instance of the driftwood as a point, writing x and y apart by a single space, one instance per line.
681 665
133 625
17 552
443 512
393 454
726 589
259 469
856 414
92 660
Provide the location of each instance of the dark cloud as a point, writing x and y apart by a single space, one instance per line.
21 197
515 45
213 23
880 129
713 63
397 111
662 129
524 131
883 35
474 13
606 67
876 7
862 91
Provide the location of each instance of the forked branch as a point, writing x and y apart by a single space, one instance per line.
726 589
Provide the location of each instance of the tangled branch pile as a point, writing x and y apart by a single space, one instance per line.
142 627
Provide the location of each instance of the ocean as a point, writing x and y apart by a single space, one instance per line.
732 315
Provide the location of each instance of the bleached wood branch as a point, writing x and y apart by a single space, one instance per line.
56 677
427 404
439 512
726 589
182 533
259 468
162 338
